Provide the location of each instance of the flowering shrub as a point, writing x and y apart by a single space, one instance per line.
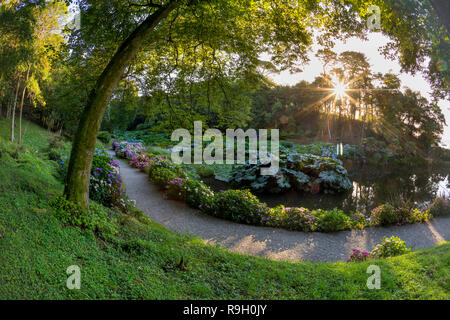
176 188
298 219
239 206
199 195
105 184
357 256
128 150
387 215
390 247
358 220
140 161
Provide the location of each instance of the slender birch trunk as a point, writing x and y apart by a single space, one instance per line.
13 113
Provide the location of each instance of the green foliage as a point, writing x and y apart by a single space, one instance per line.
298 171
238 205
334 220
296 219
390 247
104 136
244 207
198 195
387 215
95 219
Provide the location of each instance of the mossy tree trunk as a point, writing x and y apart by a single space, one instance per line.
77 183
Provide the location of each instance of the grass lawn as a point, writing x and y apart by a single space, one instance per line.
143 261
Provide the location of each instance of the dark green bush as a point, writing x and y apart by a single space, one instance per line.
239 206
104 137
334 220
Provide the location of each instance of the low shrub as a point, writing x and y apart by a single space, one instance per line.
239 206
95 218
389 247
175 188
358 256
358 220
128 150
296 219
140 161
299 171
333 220
104 137
388 215
105 184
199 195
204 171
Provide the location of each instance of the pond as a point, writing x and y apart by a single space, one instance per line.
372 186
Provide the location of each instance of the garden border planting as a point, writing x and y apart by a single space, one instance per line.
242 206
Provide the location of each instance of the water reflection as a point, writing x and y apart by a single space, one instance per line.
415 185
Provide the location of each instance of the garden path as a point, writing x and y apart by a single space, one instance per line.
272 243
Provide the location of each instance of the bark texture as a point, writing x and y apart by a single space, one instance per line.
77 183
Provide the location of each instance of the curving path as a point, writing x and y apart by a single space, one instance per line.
270 242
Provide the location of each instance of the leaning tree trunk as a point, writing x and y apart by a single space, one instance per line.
77 183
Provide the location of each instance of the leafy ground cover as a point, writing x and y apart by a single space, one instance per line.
131 257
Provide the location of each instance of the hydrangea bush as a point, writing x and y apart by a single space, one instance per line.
128 150
140 161
105 184
389 247
388 215
358 256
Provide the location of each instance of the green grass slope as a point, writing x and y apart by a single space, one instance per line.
143 259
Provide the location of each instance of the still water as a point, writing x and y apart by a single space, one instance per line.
372 186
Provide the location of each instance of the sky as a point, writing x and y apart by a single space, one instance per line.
379 64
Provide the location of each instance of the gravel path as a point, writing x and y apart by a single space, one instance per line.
270 242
